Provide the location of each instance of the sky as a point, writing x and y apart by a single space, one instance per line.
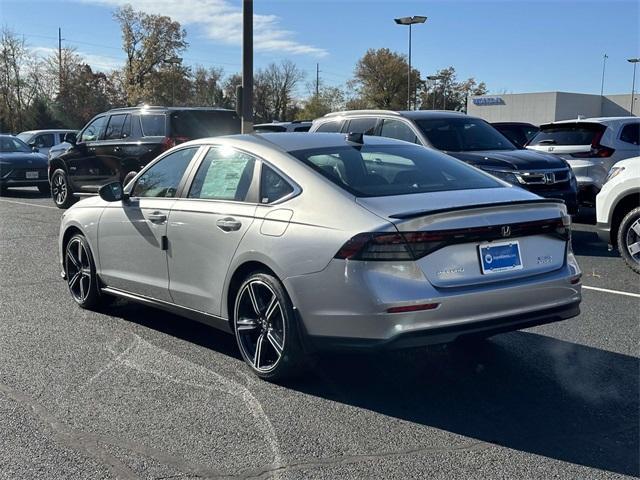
513 46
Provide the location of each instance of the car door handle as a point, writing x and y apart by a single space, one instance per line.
116 149
157 217
228 224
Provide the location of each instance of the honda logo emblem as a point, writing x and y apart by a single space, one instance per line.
506 231
549 178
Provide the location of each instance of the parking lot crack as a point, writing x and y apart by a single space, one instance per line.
70 437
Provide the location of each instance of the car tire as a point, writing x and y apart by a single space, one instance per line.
80 271
266 329
61 192
44 189
629 239
128 177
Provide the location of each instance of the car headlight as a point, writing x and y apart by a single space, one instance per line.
613 172
502 175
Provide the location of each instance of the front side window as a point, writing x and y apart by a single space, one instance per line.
631 133
366 126
371 171
272 186
224 174
45 140
463 135
93 131
163 178
398 130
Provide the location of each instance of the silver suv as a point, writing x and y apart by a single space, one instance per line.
591 146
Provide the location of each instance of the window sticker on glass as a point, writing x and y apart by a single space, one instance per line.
223 175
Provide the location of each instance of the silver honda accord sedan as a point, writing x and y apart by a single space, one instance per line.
297 242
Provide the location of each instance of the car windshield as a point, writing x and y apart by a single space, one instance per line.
463 135
13 145
568 134
373 171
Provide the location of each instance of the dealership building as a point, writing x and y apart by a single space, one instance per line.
538 108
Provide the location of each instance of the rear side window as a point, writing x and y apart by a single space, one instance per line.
398 130
372 171
631 133
569 134
193 124
116 127
224 174
366 126
329 127
272 186
153 125
163 178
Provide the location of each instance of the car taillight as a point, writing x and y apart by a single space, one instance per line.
390 246
407 246
597 150
170 142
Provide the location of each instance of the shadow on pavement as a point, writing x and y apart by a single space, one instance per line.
520 390
587 243
24 193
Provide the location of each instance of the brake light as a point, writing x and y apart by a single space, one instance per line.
597 150
170 142
406 246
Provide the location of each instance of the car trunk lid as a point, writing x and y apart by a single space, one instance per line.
473 237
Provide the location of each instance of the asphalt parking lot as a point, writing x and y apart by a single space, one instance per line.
137 393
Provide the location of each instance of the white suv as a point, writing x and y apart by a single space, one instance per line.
591 146
618 210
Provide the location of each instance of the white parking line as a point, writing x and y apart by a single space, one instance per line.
26 203
617 292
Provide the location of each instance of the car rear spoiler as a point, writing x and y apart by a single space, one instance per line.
421 213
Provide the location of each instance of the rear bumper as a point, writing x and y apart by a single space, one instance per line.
451 333
348 302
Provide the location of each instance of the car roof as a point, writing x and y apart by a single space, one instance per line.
49 130
595 120
292 141
283 124
412 114
159 108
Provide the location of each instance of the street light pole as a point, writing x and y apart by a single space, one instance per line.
604 64
433 79
174 62
633 83
410 21
247 66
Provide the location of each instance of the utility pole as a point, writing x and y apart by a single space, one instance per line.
59 61
247 66
633 84
604 64
317 80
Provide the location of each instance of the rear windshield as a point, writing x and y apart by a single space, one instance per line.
269 128
463 135
568 134
373 171
194 124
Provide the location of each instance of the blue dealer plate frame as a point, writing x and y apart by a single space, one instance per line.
500 257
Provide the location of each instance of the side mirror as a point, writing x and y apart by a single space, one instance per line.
35 149
70 137
112 192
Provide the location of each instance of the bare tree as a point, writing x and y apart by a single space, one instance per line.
14 60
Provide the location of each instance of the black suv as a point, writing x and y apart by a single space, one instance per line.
469 139
115 145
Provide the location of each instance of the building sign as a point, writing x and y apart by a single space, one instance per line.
488 101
